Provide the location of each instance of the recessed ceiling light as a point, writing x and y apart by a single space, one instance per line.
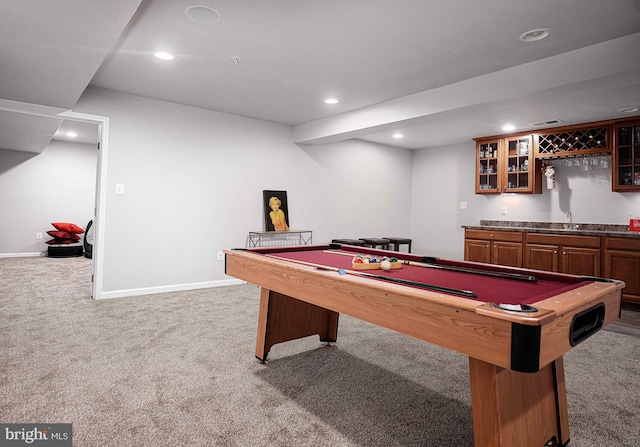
72 134
163 55
508 127
331 101
628 110
535 35
202 14
397 136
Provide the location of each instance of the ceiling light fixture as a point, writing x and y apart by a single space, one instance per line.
508 127
397 136
202 14
72 134
163 55
628 109
535 34
331 101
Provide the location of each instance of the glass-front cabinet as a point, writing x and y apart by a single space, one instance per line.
489 166
507 165
626 157
520 165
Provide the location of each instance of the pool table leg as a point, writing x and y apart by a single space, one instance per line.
513 409
283 318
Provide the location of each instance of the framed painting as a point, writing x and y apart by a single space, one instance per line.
276 210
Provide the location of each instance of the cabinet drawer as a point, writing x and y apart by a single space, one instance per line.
620 243
564 240
487 235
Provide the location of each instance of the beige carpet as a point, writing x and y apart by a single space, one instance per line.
177 369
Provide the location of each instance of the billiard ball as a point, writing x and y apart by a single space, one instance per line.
385 265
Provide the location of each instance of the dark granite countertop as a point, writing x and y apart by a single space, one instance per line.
581 229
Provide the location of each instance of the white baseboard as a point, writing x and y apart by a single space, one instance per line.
36 254
171 288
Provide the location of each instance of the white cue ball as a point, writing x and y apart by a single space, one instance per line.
385 265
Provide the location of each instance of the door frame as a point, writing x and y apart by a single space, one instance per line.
101 194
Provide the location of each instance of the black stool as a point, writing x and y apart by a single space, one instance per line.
375 242
398 241
356 242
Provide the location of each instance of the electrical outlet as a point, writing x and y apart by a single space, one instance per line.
39 235
503 211
463 205
220 256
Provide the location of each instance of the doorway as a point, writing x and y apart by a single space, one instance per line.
100 203
20 118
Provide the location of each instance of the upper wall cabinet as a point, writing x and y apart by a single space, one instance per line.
524 173
489 166
512 163
626 157
507 165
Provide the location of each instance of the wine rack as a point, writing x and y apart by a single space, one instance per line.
573 142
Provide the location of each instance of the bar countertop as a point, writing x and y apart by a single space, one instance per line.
579 229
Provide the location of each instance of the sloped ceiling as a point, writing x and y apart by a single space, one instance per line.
438 72
50 52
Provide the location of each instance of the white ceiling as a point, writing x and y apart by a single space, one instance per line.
439 72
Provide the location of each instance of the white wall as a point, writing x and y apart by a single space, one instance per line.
56 185
194 180
193 186
444 177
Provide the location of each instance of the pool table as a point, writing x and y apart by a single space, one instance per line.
513 324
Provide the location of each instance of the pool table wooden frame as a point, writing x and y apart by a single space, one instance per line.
510 408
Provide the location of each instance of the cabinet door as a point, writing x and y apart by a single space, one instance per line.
542 257
522 171
489 166
626 158
506 253
625 266
581 261
477 251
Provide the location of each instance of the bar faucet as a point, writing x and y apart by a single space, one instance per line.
571 224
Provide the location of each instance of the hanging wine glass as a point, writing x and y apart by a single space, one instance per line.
585 164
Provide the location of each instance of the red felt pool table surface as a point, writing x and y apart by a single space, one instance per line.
487 289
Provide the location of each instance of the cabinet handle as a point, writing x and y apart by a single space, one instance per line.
554 252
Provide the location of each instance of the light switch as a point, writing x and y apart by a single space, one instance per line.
463 205
120 189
